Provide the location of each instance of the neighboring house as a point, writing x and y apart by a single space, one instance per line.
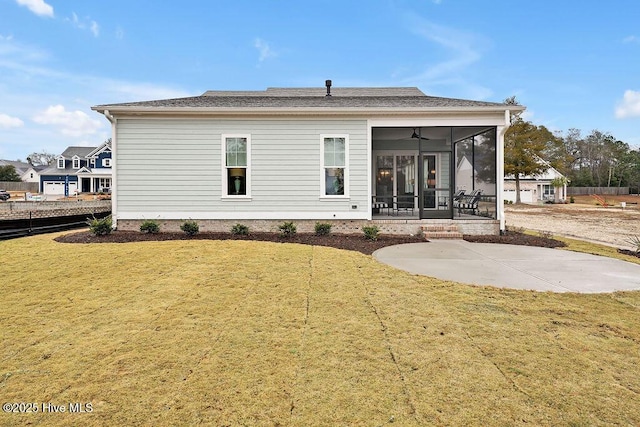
537 188
26 171
78 170
350 156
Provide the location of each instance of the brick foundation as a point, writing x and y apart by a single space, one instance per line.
386 226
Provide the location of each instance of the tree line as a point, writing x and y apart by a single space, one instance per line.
594 160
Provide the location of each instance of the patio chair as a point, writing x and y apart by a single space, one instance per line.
469 202
379 205
405 203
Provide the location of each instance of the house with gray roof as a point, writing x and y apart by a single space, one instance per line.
78 170
349 156
26 171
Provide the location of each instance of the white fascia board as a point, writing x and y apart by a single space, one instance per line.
359 215
485 119
359 112
98 150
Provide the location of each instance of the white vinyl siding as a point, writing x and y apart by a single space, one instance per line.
173 167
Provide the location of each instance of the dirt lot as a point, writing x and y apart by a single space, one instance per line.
585 219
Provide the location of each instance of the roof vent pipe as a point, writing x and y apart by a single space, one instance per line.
328 84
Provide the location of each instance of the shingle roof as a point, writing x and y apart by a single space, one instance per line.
308 99
208 101
16 164
317 91
81 152
21 167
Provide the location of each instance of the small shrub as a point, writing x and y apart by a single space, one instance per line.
240 230
150 226
545 234
371 232
100 227
287 229
572 199
323 228
190 227
635 242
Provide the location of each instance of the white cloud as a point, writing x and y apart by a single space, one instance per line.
7 122
629 106
631 39
95 28
84 24
70 123
264 49
39 7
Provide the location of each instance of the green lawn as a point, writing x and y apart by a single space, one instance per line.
255 333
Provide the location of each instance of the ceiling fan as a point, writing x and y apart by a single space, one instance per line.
416 136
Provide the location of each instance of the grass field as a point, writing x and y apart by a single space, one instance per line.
254 333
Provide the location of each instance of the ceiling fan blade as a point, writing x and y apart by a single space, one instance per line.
416 136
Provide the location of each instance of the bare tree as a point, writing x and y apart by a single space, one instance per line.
41 159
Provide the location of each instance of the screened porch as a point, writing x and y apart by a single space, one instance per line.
434 172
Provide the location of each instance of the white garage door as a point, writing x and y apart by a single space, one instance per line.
526 196
57 188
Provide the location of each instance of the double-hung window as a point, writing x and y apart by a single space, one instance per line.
334 170
76 162
60 162
236 164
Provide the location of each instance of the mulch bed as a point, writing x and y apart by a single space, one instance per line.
352 242
515 238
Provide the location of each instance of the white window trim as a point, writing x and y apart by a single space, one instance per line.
323 184
58 160
223 168
106 163
76 162
92 163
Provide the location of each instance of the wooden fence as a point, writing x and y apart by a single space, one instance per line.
608 191
27 187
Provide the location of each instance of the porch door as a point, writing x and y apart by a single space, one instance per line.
430 181
435 174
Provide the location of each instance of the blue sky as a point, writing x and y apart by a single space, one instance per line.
573 63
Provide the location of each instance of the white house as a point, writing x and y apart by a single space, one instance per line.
26 171
351 156
536 188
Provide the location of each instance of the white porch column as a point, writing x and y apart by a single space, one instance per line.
500 172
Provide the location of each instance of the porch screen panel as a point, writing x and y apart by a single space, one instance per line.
384 179
485 171
464 165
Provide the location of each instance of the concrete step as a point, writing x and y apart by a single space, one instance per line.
441 231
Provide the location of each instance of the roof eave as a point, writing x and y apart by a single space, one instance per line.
220 111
